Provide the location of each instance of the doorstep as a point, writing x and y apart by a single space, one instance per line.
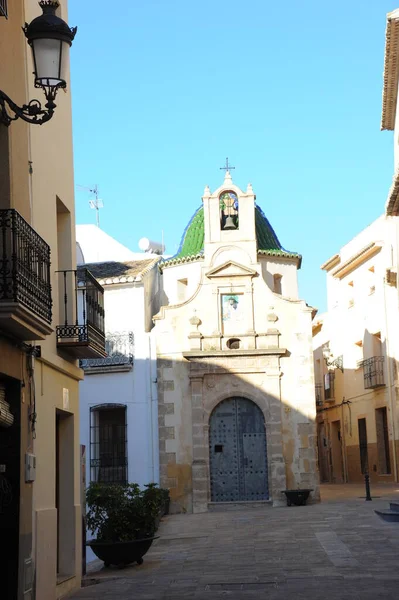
239 505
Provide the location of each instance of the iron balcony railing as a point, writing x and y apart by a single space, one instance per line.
119 347
83 311
319 394
24 265
373 371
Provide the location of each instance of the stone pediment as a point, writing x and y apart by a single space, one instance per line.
231 269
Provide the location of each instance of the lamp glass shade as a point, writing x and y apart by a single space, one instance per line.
47 56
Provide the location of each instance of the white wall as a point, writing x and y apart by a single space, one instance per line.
124 307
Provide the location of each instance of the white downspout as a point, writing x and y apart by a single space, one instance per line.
154 409
390 385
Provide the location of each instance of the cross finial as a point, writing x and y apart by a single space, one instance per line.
227 167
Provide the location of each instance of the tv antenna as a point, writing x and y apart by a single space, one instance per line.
95 202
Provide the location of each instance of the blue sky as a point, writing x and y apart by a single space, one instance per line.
163 91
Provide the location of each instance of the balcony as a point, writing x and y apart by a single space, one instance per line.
25 290
373 372
120 352
82 333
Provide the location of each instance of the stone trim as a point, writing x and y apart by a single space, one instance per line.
230 353
165 432
205 396
357 259
391 72
392 203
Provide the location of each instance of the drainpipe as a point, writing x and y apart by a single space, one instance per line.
153 408
344 456
390 385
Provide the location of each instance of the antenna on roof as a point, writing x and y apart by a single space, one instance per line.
94 203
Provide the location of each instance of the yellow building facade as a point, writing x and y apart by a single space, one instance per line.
45 326
356 356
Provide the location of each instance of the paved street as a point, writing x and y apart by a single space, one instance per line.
338 549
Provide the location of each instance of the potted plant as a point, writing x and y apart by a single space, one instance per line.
158 500
123 518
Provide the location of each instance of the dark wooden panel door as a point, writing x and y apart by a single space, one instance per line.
238 454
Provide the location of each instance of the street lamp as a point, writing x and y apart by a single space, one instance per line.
50 39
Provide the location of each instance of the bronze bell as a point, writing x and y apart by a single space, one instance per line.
229 223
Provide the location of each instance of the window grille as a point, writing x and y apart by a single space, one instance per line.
108 444
319 394
3 9
373 372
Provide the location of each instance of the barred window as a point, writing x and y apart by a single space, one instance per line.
3 9
108 444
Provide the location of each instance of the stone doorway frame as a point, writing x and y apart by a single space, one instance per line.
255 376
262 417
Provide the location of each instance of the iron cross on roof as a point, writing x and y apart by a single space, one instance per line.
227 167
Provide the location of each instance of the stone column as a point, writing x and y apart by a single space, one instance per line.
200 465
274 433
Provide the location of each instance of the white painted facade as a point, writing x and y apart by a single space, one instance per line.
98 246
135 388
131 291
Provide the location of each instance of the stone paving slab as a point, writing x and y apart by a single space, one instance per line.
336 550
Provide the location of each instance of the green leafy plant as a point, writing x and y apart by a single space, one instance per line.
157 498
121 513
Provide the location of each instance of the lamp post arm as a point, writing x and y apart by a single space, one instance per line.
33 112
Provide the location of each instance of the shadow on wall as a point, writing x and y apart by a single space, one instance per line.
223 436
355 415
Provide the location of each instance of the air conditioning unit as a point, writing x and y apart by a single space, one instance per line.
390 277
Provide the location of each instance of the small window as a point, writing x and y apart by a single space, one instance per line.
233 344
277 279
329 380
108 444
3 9
182 289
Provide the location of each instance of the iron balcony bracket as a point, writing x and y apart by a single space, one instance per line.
32 113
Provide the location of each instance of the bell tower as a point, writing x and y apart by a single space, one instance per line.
229 219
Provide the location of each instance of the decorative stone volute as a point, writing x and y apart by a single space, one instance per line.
196 322
195 336
272 317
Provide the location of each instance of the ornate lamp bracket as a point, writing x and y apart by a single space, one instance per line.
31 113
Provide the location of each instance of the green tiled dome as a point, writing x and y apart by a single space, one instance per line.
192 242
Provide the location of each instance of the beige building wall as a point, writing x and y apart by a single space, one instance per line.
40 185
197 370
360 327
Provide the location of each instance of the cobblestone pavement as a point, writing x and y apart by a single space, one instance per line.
336 550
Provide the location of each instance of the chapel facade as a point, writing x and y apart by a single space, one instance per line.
234 361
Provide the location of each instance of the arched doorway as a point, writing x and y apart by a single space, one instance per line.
238 454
